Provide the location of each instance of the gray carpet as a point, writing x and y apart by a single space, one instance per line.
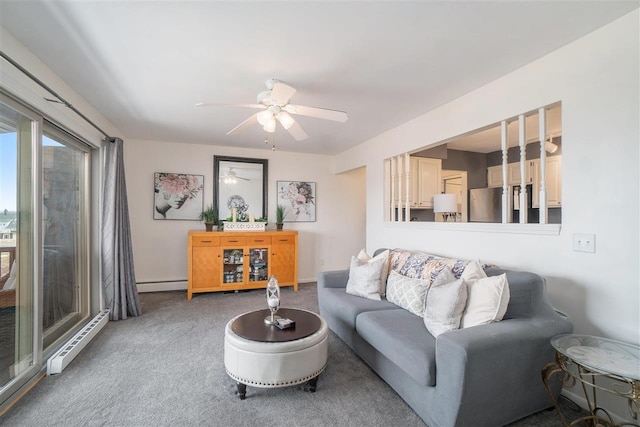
166 368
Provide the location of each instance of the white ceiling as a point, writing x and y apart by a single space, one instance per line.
144 64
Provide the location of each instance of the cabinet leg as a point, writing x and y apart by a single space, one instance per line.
242 390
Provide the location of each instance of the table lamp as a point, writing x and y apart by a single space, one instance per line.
446 204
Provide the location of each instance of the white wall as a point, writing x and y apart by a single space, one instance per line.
30 92
160 246
597 80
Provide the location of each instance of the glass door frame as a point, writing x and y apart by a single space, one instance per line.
33 261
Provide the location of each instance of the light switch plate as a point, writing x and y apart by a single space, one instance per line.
584 242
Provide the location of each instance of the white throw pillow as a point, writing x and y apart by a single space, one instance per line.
407 293
473 271
364 278
445 303
487 300
384 274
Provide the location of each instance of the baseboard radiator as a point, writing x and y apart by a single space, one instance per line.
72 348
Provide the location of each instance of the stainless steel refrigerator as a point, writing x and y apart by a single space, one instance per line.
485 205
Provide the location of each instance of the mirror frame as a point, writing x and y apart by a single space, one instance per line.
216 178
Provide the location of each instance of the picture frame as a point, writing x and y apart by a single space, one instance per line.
298 199
240 183
178 196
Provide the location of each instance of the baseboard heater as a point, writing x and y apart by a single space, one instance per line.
72 348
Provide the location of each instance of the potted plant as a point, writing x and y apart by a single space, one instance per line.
210 217
279 216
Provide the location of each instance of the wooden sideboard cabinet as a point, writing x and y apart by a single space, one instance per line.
235 260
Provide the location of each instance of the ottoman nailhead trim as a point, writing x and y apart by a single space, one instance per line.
276 384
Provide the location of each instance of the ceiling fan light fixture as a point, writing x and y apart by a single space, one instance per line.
270 126
285 119
264 117
264 98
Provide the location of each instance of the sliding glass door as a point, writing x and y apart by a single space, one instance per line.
44 241
19 354
65 168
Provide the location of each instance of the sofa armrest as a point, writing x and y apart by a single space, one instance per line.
333 279
509 355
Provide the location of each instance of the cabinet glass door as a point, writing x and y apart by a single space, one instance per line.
233 271
258 264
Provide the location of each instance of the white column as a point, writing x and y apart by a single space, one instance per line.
392 217
522 141
542 132
400 171
407 170
506 206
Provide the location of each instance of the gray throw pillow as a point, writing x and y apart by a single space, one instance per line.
445 303
364 278
407 292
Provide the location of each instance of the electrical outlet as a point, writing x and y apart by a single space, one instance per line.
321 262
584 242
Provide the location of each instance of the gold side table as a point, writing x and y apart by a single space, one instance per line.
584 358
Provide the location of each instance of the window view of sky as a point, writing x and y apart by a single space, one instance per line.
8 171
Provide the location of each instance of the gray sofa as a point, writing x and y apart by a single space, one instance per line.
486 375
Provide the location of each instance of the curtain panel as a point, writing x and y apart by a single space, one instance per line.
118 273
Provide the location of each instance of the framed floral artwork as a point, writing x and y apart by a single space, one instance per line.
178 196
298 199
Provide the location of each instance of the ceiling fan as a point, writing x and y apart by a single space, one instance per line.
231 177
275 106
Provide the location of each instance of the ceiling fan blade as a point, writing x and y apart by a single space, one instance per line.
245 124
321 113
210 104
281 93
297 132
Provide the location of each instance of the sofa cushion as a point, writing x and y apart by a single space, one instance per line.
421 265
407 293
345 308
445 303
402 338
487 297
384 274
364 278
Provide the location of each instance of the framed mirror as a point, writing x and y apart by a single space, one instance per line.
240 183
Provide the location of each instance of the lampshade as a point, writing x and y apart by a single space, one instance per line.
285 119
550 147
270 126
445 203
264 117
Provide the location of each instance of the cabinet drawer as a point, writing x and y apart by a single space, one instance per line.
206 241
233 241
283 240
259 240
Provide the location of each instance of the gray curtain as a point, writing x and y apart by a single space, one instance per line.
118 274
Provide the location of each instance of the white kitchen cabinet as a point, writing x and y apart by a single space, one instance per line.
425 181
494 174
553 183
513 173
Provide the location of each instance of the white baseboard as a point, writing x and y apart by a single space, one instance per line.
162 286
582 402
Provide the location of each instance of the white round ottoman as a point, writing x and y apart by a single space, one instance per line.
261 355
